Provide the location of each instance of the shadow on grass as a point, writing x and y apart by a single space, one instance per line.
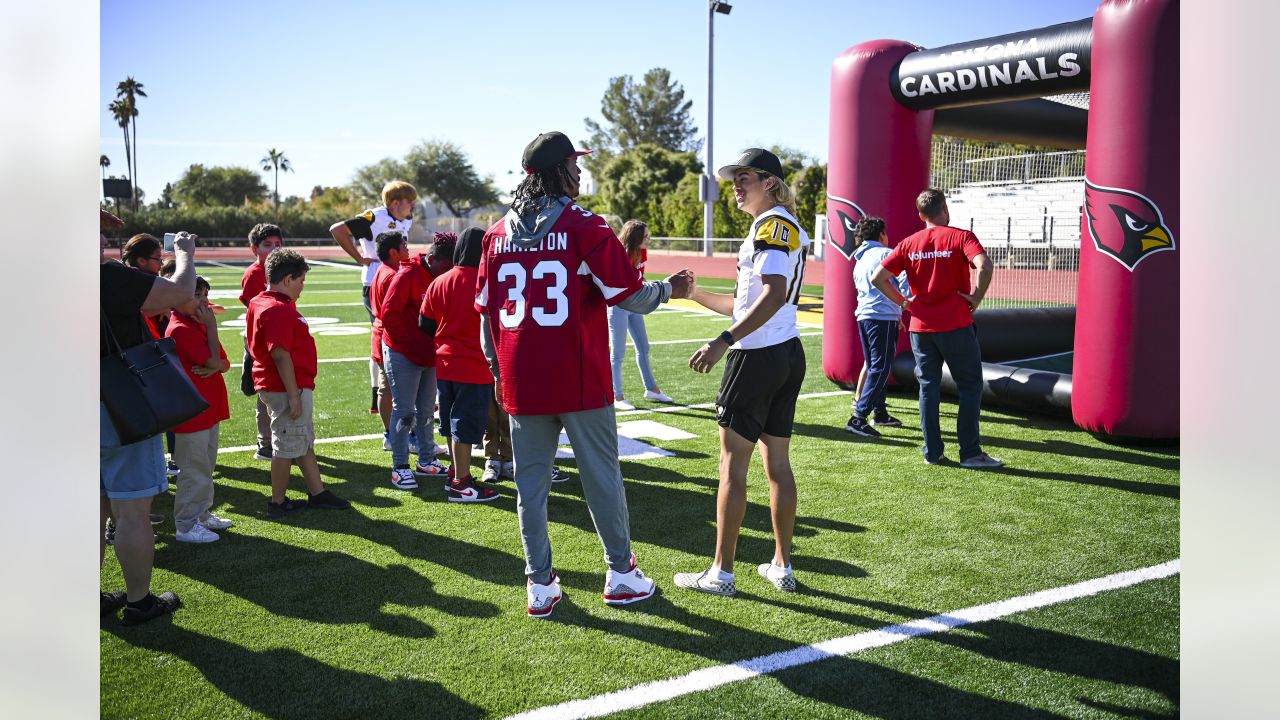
288 685
836 433
1134 486
281 579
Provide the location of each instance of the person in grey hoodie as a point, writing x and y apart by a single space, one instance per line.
879 322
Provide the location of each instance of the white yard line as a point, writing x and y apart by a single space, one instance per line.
319 441
713 677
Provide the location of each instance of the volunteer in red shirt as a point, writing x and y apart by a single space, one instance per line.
263 238
937 261
465 384
548 270
284 374
194 330
409 358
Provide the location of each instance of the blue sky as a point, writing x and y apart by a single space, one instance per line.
340 85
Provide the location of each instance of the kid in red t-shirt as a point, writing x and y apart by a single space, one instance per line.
263 238
194 331
284 373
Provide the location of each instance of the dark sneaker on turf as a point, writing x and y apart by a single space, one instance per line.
884 419
543 598
558 475
161 604
466 490
940 460
263 453
156 518
326 500
172 470
403 479
981 461
279 510
628 587
859 426
112 601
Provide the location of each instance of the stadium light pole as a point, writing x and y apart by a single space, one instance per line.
710 189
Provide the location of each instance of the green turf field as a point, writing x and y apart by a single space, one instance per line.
411 606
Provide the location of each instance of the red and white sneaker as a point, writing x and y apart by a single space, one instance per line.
628 587
466 490
543 598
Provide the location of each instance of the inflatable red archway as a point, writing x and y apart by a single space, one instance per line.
887 97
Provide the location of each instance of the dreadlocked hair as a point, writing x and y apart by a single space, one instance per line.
551 182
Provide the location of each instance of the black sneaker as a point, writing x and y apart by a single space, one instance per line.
325 499
263 453
161 604
558 475
279 510
884 419
859 426
113 601
156 518
172 470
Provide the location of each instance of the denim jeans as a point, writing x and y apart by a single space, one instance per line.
959 349
413 406
620 322
879 347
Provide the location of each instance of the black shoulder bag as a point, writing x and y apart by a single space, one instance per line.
145 389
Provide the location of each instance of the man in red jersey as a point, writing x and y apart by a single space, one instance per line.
937 261
547 272
263 238
284 373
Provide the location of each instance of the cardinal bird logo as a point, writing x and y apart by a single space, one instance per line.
1125 225
847 213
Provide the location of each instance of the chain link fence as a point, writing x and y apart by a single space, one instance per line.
1026 208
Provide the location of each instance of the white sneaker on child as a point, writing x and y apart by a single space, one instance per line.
213 522
197 534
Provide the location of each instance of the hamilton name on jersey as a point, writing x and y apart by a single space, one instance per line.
551 241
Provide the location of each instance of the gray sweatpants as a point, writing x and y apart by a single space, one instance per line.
197 454
594 436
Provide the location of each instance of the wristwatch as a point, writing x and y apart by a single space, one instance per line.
726 336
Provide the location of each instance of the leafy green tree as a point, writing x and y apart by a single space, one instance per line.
225 186
810 186
652 112
336 202
793 161
635 181
275 161
730 221
104 162
441 170
366 187
129 90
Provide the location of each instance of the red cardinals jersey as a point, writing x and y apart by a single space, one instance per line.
937 261
546 308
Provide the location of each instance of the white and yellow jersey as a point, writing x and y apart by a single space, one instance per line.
776 245
366 227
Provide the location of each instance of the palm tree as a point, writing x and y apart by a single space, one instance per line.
275 161
130 90
104 162
123 112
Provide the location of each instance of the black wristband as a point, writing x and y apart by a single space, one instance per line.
726 337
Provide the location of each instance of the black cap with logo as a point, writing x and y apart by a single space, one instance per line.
755 159
548 149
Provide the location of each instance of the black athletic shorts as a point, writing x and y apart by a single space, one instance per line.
759 389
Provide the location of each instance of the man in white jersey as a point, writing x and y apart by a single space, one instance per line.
764 370
395 215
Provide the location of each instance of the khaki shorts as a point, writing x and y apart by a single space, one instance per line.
383 386
290 438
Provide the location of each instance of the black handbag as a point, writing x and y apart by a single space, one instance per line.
145 389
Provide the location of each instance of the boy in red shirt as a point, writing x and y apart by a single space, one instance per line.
462 373
393 247
194 331
284 374
263 238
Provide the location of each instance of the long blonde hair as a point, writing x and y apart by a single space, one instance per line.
632 237
781 194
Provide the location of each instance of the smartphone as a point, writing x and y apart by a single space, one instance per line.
168 241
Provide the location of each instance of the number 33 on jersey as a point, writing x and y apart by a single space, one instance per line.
546 296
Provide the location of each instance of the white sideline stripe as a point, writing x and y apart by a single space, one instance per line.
713 677
326 360
344 266
319 441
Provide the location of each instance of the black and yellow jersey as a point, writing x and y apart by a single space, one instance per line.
775 245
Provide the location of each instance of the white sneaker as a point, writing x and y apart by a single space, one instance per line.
706 582
622 405
657 396
782 578
403 479
628 587
508 469
543 598
213 522
197 534
492 471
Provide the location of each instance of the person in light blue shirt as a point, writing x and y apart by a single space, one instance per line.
879 321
